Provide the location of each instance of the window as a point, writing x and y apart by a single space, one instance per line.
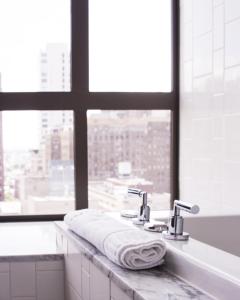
66 72
137 156
130 45
36 163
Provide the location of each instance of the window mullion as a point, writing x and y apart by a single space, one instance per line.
81 161
79 45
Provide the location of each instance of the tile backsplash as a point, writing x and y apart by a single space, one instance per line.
210 104
43 280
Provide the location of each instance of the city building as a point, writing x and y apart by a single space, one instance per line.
55 68
143 140
137 141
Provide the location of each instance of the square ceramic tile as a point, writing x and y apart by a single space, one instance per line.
186 80
187 41
218 27
186 121
186 10
49 265
218 105
4 286
99 284
202 170
231 183
186 156
85 285
73 263
218 71
50 285
202 55
232 9
232 137
4 267
202 133
186 190
202 16
85 263
231 90
202 96
23 279
24 298
232 48
71 294
217 2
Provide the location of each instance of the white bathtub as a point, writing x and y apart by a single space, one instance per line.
210 259
221 232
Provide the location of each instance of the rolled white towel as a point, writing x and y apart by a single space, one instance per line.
126 246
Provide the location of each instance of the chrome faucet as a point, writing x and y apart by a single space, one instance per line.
175 226
144 214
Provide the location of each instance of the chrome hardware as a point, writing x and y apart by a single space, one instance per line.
155 226
175 225
144 214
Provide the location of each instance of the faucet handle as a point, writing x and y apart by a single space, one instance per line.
175 225
191 208
134 191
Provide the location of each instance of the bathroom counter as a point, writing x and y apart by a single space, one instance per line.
30 265
28 241
153 284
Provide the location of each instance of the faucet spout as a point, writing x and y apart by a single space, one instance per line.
144 214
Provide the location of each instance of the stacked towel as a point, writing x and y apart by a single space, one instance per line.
126 246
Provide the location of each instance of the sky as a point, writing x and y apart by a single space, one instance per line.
21 130
26 27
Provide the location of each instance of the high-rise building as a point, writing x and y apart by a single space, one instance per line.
1 157
55 68
56 126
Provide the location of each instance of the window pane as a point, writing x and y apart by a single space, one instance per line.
128 149
130 45
36 162
35 45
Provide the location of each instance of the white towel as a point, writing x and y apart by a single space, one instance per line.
126 246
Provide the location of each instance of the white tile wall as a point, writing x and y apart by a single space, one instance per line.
218 27
23 279
232 47
210 104
187 11
202 54
32 280
49 265
4 286
24 298
50 285
232 10
202 10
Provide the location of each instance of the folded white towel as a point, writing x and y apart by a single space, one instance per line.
126 246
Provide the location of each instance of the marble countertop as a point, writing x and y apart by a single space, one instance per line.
153 284
28 241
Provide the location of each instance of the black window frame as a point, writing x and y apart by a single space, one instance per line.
79 100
